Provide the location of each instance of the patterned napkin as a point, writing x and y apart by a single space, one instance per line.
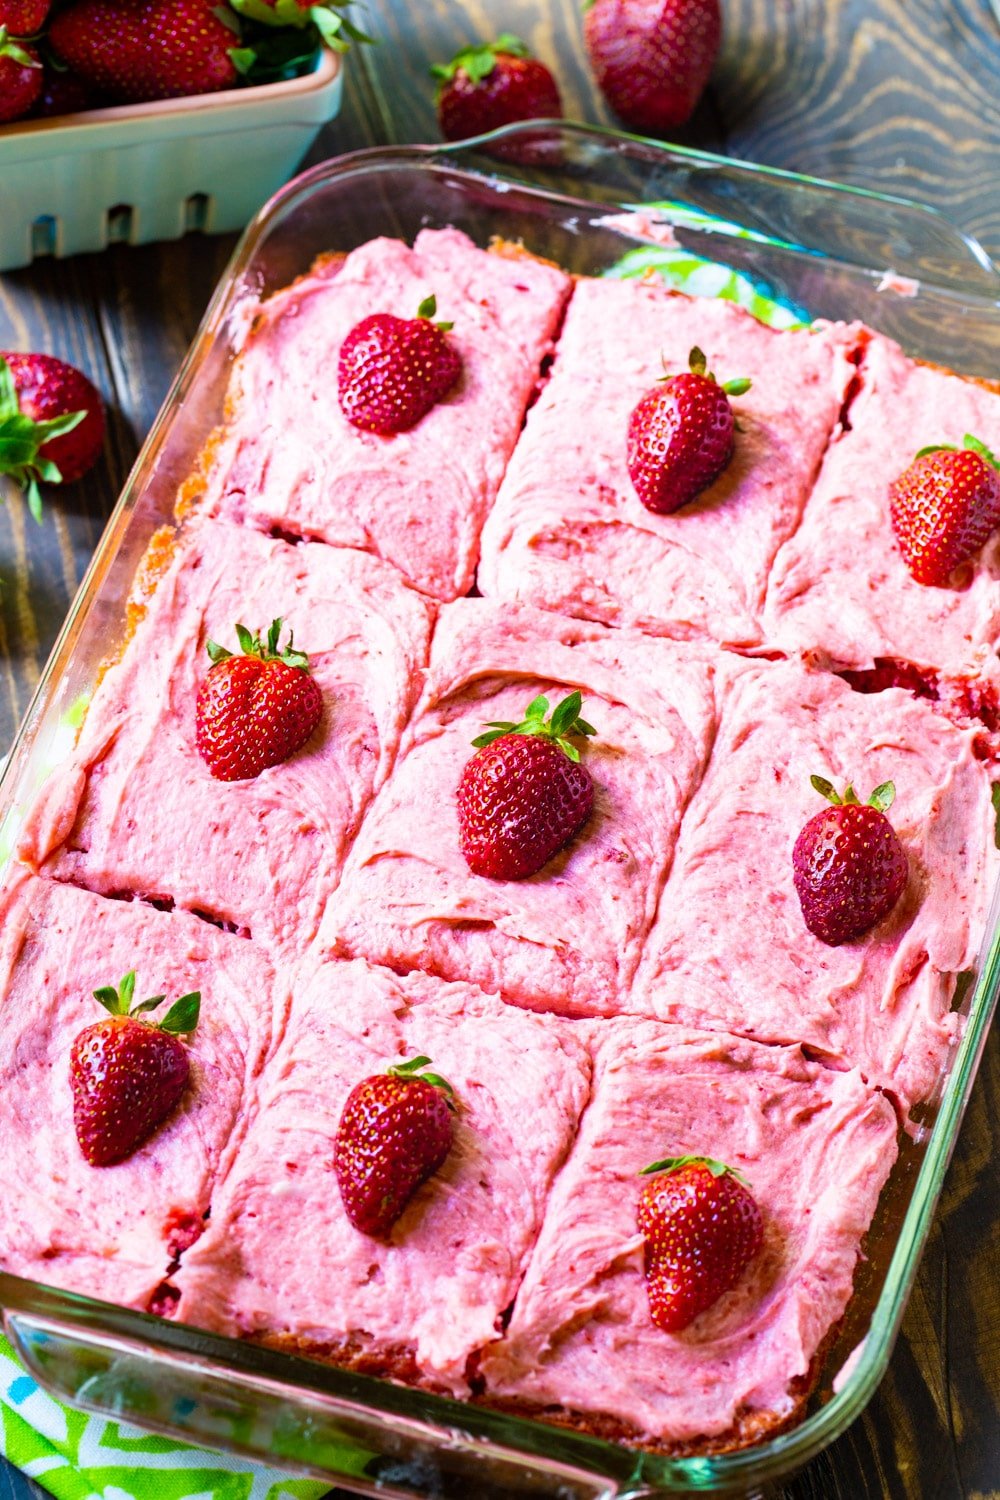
81 1457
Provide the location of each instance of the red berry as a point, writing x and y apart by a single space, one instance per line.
127 1074
257 709
23 17
496 84
395 1131
848 865
652 58
51 422
702 1228
64 94
392 370
20 77
524 794
944 507
146 49
680 436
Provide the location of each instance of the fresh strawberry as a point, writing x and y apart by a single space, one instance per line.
524 794
51 422
257 709
703 1227
63 94
20 77
491 85
848 865
395 1131
392 370
652 58
944 507
23 17
680 436
127 1074
148 49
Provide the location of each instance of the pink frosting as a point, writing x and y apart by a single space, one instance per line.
840 587
454 1259
111 1232
262 854
568 530
568 938
730 949
418 498
816 1147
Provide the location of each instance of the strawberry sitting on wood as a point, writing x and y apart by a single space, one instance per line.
51 422
127 1074
652 58
494 84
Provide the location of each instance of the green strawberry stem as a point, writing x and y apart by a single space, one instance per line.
22 438
414 1069
180 1020
881 798
478 61
973 444
428 308
698 365
252 645
565 721
675 1163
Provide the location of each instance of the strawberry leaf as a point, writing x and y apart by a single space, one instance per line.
217 652
697 363
978 446
9 406
412 1069
108 996
182 1017
738 387
150 1004
675 1163
126 992
825 789
883 796
851 797
428 307
249 644
242 59
565 721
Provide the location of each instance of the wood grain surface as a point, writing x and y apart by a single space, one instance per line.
894 95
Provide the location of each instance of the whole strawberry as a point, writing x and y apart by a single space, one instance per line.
148 49
391 370
257 709
394 1133
524 794
944 507
652 58
491 85
703 1227
680 436
848 865
51 422
23 17
127 1074
20 77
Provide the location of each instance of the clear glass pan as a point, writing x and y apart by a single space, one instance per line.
826 249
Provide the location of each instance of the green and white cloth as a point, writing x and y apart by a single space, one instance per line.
81 1457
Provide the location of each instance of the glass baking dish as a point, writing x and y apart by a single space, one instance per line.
830 251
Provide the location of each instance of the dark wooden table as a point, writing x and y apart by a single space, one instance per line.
894 95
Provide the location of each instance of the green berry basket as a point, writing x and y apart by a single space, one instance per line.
142 172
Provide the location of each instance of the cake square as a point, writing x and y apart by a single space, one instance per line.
422 1302
113 1232
290 460
569 532
815 1146
840 589
568 937
730 950
137 810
